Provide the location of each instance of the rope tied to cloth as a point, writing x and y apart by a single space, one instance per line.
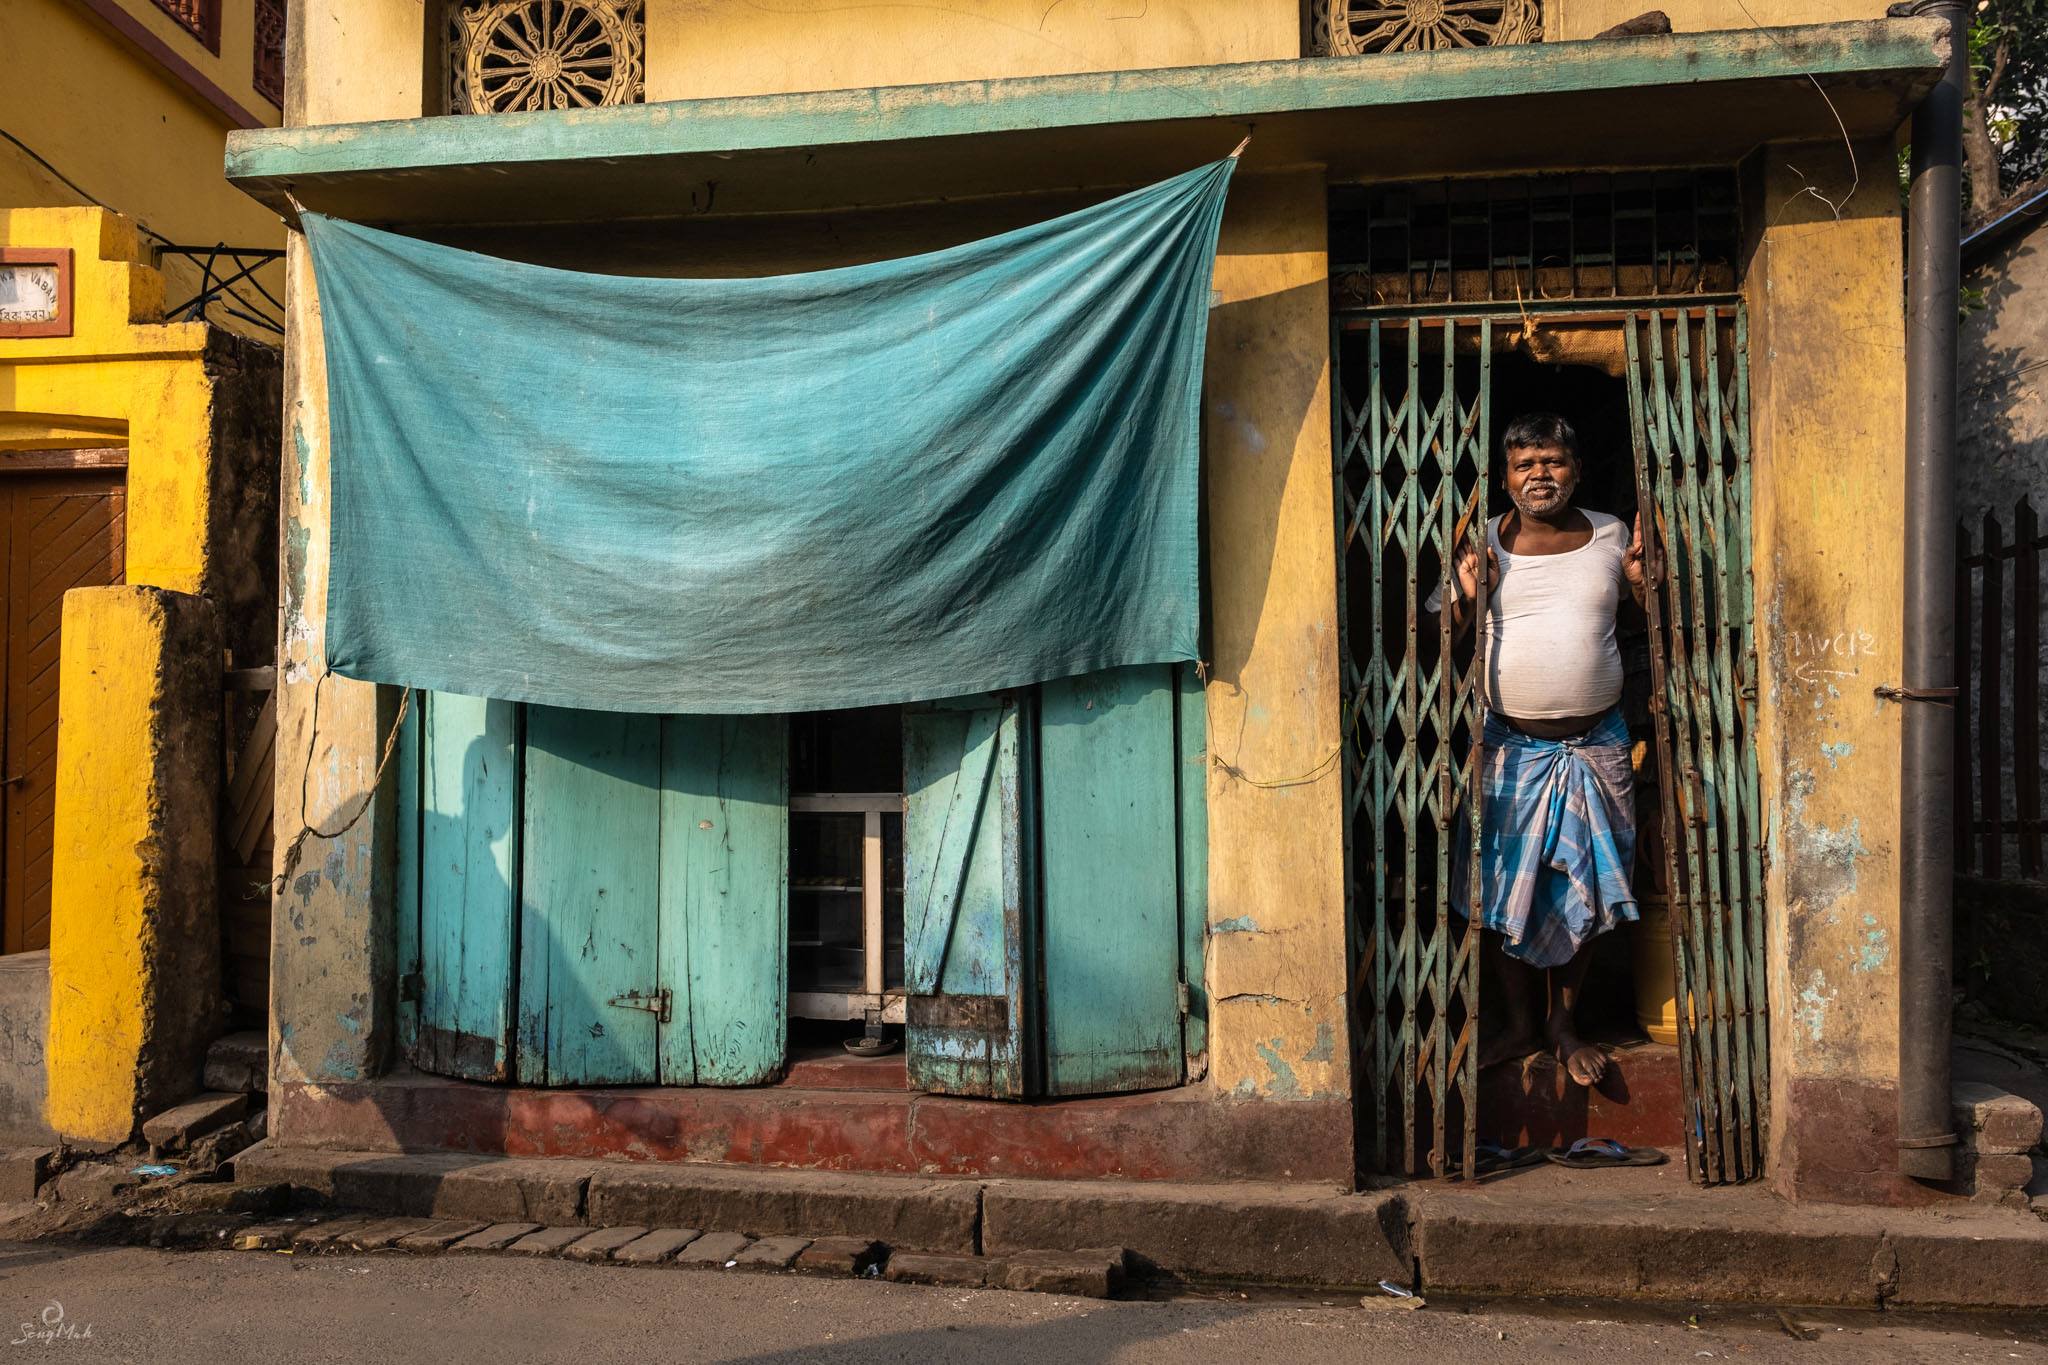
297 846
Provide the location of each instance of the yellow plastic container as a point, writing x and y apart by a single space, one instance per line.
1656 979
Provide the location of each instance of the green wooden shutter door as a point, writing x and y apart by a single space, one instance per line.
589 897
458 852
1191 787
965 921
724 898
1108 755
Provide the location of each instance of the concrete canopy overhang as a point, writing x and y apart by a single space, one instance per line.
1672 100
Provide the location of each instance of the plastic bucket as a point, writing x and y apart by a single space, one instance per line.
1656 978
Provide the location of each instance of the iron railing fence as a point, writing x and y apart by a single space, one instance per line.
1998 753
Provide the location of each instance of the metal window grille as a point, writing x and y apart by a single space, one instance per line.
200 18
267 64
1645 234
506 56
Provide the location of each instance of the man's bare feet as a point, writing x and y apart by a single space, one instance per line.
1583 1062
1507 1047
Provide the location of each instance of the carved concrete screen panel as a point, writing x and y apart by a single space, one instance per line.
510 55
1352 28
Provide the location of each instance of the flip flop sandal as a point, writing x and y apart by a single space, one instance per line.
1592 1154
1495 1158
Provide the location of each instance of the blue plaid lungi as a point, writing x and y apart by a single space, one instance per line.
1557 840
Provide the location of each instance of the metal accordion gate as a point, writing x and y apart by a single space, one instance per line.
1414 431
1412 478
1688 389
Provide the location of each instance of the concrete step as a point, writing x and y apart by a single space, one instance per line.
1640 1232
176 1128
239 1062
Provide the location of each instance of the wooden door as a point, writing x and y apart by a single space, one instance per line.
62 530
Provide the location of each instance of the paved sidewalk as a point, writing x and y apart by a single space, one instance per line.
1644 1232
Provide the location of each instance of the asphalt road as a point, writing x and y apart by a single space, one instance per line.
157 1306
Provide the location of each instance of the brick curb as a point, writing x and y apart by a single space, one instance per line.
1595 1240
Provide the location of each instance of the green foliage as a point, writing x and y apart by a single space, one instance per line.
2009 42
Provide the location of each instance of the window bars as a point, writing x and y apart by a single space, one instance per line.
200 18
1641 234
224 273
266 71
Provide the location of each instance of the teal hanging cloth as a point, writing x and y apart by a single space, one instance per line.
926 477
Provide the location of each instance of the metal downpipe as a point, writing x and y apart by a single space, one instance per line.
1927 777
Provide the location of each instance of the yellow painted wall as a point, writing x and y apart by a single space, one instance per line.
134 945
1276 888
331 970
121 378
1828 367
705 48
1568 19
123 132
98 917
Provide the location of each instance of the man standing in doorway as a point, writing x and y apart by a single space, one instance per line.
1557 839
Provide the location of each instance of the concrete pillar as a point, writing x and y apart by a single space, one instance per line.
134 919
331 979
1276 945
1827 356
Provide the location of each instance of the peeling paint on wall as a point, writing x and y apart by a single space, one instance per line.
1286 1086
1814 1002
1240 924
1834 752
1326 1042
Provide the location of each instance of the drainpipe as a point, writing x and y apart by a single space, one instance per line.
1928 676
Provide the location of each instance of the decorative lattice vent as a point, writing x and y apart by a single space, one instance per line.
510 55
1352 28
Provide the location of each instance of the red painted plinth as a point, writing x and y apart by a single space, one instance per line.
1187 1134
1637 1103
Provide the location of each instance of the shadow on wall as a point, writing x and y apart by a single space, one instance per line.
2002 401
1257 393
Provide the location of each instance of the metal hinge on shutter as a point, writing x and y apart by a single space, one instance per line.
1186 1001
655 1002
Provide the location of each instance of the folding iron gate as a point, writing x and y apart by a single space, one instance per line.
1412 477
1688 391
1413 467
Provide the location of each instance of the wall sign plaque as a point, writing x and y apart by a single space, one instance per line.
35 291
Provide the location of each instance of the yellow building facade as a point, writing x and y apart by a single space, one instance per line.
138 418
883 133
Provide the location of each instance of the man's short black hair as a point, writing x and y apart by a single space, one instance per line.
1540 430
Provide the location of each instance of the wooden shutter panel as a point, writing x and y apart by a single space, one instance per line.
724 898
965 896
1107 757
589 898
458 858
